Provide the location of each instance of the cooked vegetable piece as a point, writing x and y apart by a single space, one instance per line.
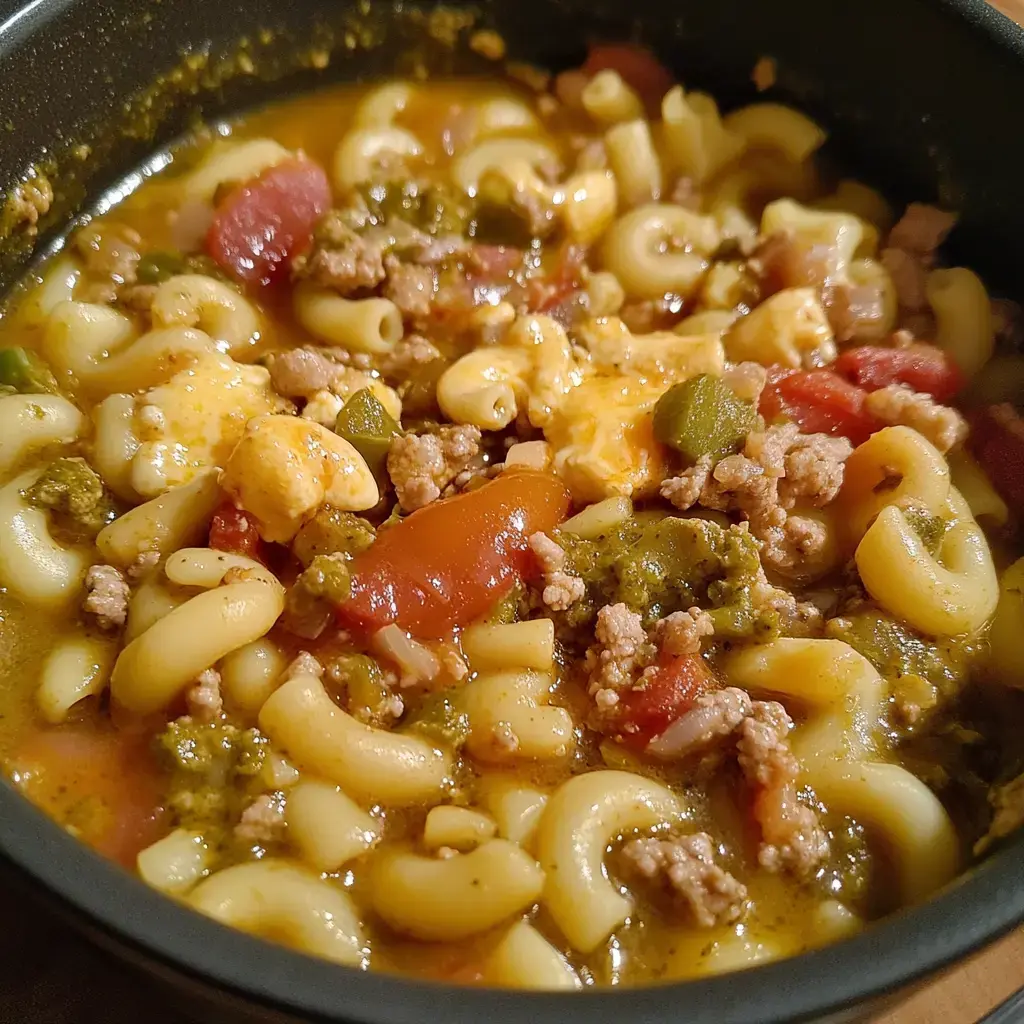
25 372
662 697
366 690
317 590
332 531
232 529
657 566
448 563
702 416
437 208
259 228
72 489
897 650
212 765
369 428
922 367
440 719
818 401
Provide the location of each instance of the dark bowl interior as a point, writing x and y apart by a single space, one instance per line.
874 72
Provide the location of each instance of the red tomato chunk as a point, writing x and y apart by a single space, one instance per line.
261 226
450 562
667 694
997 441
924 368
637 67
818 401
234 530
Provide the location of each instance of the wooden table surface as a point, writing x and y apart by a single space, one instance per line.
48 976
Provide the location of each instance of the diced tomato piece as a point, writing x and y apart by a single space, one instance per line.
997 442
818 401
494 263
544 294
261 226
922 367
234 530
103 784
667 695
637 66
448 563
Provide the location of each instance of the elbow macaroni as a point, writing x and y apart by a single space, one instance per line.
276 898
369 764
34 566
160 663
952 592
581 818
510 718
447 899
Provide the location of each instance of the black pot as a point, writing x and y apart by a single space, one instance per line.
920 96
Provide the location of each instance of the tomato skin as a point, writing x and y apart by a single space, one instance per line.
261 226
234 530
819 402
448 563
922 367
668 694
115 772
494 264
637 66
997 442
545 294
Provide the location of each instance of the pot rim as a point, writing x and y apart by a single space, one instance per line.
974 910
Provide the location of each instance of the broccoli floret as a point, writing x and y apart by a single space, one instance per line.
440 720
216 748
72 490
658 565
214 772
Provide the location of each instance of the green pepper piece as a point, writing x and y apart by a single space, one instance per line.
25 372
440 719
156 267
369 428
71 488
702 416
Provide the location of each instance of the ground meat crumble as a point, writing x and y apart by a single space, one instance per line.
106 598
909 253
682 632
686 865
561 589
422 465
899 405
777 469
262 822
621 652
792 837
203 699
